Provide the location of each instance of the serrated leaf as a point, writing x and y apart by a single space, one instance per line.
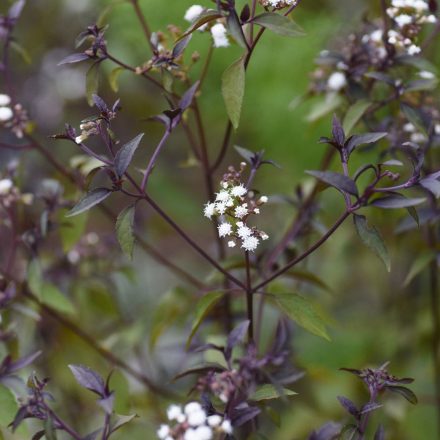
354 114
337 180
279 24
418 265
125 230
125 154
269 392
233 85
8 406
203 307
89 200
371 238
303 313
114 77
53 297
92 83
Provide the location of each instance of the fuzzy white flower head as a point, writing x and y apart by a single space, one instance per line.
214 420
192 407
204 433
197 418
5 100
239 190
263 199
5 186
403 20
414 50
409 127
250 243
219 34
220 208
222 196
209 210
227 426
337 81
243 231
241 211
264 236
224 229
163 431
5 114
174 412
193 12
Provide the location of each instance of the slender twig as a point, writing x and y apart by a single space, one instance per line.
61 423
249 299
143 22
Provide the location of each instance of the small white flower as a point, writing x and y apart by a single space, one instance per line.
437 129
80 139
224 229
238 191
204 433
418 138
336 81
219 34
163 431
197 418
214 420
409 127
174 412
224 185
263 199
5 114
241 211
5 100
414 50
192 407
376 35
403 20
231 244
227 427
190 434
193 12
264 236
426 75
220 208
209 210
250 243
5 186
256 210
222 196
243 231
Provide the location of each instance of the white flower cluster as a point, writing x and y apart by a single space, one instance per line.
336 81
88 129
6 113
278 4
416 136
218 30
192 423
10 194
407 12
233 205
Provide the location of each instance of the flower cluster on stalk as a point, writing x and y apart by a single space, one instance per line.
233 206
278 4
193 423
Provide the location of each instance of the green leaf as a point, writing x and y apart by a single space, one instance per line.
279 24
233 85
324 106
418 265
114 77
203 307
121 421
269 392
415 117
354 114
89 200
34 277
371 238
21 51
71 230
49 429
92 82
8 406
54 298
125 230
302 312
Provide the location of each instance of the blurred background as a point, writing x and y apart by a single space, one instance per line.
374 317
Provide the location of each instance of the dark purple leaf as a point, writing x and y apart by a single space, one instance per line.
405 392
234 27
203 18
180 46
330 431
89 200
22 414
370 407
240 417
23 362
236 337
433 6
245 13
337 180
89 379
349 406
100 104
362 139
380 433
352 371
338 131
16 9
247 155
74 58
395 202
125 155
381 77
200 370
432 185
38 435
188 97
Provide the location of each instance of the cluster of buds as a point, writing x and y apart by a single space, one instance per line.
193 423
88 128
410 14
10 194
13 117
234 204
277 4
218 30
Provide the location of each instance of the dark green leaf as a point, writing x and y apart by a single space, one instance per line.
233 85
125 155
418 265
337 180
354 114
371 237
405 392
279 24
303 313
122 421
114 77
57 300
235 29
125 230
89 200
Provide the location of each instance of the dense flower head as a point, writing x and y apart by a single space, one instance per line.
234 204
193 423
278 4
